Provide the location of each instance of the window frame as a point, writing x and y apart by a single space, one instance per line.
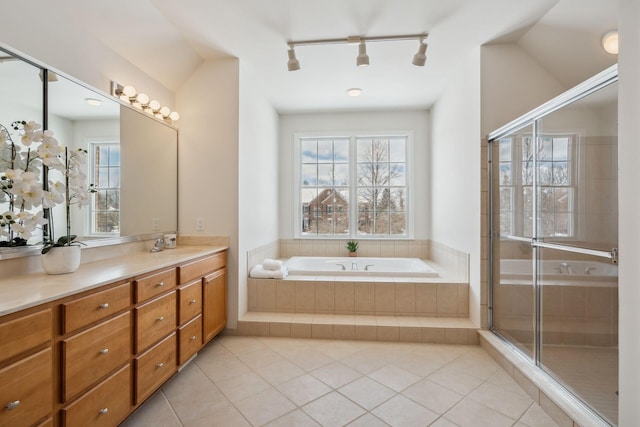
89 218
298 216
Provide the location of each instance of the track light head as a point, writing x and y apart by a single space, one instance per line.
293 64
363 59
420 58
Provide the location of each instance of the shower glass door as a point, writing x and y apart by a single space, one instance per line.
554 233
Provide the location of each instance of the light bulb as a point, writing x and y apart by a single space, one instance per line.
129 91
174 116
154 105
142 98
165 111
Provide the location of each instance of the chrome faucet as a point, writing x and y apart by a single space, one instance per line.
588 270
342 267
354 265
566 267
158 245
366 267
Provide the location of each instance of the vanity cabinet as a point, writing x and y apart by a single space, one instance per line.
93 357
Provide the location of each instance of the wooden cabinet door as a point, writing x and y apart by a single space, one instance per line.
214 303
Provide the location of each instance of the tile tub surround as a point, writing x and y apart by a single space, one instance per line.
242 381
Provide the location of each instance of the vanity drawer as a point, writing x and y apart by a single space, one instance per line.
24 333
190 339
155 284
154 367
89 309
190 301
200 268
27 388
105 405
154 320
92 354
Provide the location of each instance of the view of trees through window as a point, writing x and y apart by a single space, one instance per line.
105 206
555 184
353 186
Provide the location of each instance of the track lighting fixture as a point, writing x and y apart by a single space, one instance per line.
293 64
362 59
420 58
142 101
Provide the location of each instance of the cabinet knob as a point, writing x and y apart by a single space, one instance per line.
160 365
193 337
192 301
12 405
160 284
104 411
104 305
104 351
160 319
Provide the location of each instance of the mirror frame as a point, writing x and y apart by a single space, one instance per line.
24 251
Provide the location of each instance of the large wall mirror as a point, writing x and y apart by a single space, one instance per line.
132 157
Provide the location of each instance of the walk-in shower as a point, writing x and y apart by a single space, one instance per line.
554 233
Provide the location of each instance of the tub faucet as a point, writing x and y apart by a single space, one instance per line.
566 267
588 270
354 265
342 267
366 267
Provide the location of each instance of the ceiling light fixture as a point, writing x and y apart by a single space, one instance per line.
420 58
93 102
142 101
354 91
362 60
610 42
293 64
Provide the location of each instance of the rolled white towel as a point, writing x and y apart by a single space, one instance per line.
272 264
258 272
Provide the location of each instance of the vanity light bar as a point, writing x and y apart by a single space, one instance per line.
142 101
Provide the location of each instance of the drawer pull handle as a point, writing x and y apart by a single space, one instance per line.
160 365
161 284
104 411
160 319
193 301
193 337
12 405
104 351
104 305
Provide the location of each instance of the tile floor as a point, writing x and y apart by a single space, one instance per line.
245 381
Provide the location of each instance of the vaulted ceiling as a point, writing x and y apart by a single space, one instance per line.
168 39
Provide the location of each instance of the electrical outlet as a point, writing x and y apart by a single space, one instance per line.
199 224
155 224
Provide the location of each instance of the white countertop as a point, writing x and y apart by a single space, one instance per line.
28 290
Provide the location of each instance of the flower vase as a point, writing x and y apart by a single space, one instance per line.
62 259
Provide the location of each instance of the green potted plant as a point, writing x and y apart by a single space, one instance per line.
352 247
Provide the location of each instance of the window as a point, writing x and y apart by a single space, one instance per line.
555 156
104 212
355 186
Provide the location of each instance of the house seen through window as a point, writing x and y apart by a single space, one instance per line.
353 186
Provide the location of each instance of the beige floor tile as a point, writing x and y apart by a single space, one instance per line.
536 417
400 411
237 345
368 420
510 404
296 418
476 362
242 386
432 396
468 413
156 411
336 374
279 372
367 392
218 368
333 410
308 358
365 362
260 358
264 407
418 364
303 389
460 382
227 416
193 396
395 378
443 422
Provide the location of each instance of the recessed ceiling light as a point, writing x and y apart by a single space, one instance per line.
354 91
93 102
610 42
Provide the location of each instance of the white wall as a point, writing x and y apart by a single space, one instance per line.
416 121
208 160
629 211
259 162
455 172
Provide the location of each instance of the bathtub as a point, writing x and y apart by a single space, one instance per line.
565 270
359 266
